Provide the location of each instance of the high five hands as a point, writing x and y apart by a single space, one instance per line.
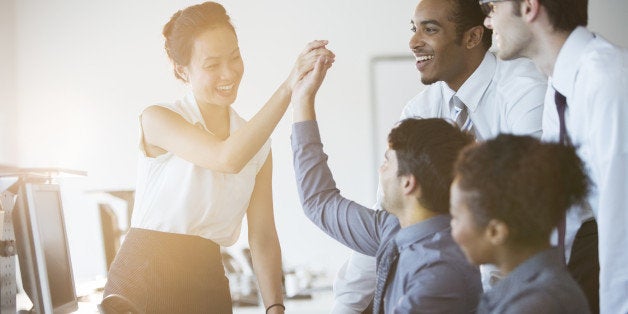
313 74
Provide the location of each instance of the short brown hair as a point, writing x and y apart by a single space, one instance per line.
427 149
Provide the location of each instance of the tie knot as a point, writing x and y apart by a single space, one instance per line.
457 103
560 99
561 105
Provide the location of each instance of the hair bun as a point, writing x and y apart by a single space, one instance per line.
186 24
170 25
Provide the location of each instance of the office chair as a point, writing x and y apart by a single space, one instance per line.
111 232
117 304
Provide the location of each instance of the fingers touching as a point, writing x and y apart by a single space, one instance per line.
307 60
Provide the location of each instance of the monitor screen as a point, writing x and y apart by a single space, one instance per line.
43 249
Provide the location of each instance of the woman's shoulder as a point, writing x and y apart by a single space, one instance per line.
182 107
549 288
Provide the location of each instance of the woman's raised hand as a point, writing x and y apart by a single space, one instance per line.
306 61
305 90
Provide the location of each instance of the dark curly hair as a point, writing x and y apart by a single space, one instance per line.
427 149
524 183
185 25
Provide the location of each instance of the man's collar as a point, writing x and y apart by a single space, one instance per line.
417 232
474 87
565 68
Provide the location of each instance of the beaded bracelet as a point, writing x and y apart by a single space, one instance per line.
276 304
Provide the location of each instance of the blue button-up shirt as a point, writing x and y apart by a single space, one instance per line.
541 284
432 274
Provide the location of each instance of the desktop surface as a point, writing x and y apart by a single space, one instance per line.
90 295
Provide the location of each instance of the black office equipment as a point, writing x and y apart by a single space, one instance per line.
36 228
42 248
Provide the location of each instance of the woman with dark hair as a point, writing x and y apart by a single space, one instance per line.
508 195
202 168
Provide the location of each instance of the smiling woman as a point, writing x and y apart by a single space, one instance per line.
202 168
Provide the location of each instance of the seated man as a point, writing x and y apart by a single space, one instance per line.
507 196
420 268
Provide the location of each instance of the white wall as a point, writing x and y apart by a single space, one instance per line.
78 73
608 18
85 69
8 111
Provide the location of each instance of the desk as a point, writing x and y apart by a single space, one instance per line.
90 295
87 304
321 302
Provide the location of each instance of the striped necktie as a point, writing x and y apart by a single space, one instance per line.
462 116
387 262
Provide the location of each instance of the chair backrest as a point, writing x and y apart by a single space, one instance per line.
110 232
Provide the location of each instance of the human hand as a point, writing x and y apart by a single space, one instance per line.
305 90
307 60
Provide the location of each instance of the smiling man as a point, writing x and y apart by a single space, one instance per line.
467 84
586 105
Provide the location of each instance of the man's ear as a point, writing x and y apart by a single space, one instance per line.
410 185
497 232
530 9
473 36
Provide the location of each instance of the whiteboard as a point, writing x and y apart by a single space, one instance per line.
394 81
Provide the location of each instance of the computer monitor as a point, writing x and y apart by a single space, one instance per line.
42 248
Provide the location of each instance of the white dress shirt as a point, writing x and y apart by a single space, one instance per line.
174 195
501 97
593 75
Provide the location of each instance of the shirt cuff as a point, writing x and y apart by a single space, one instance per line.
305 132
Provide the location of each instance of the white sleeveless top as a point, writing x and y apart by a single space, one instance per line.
174 195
